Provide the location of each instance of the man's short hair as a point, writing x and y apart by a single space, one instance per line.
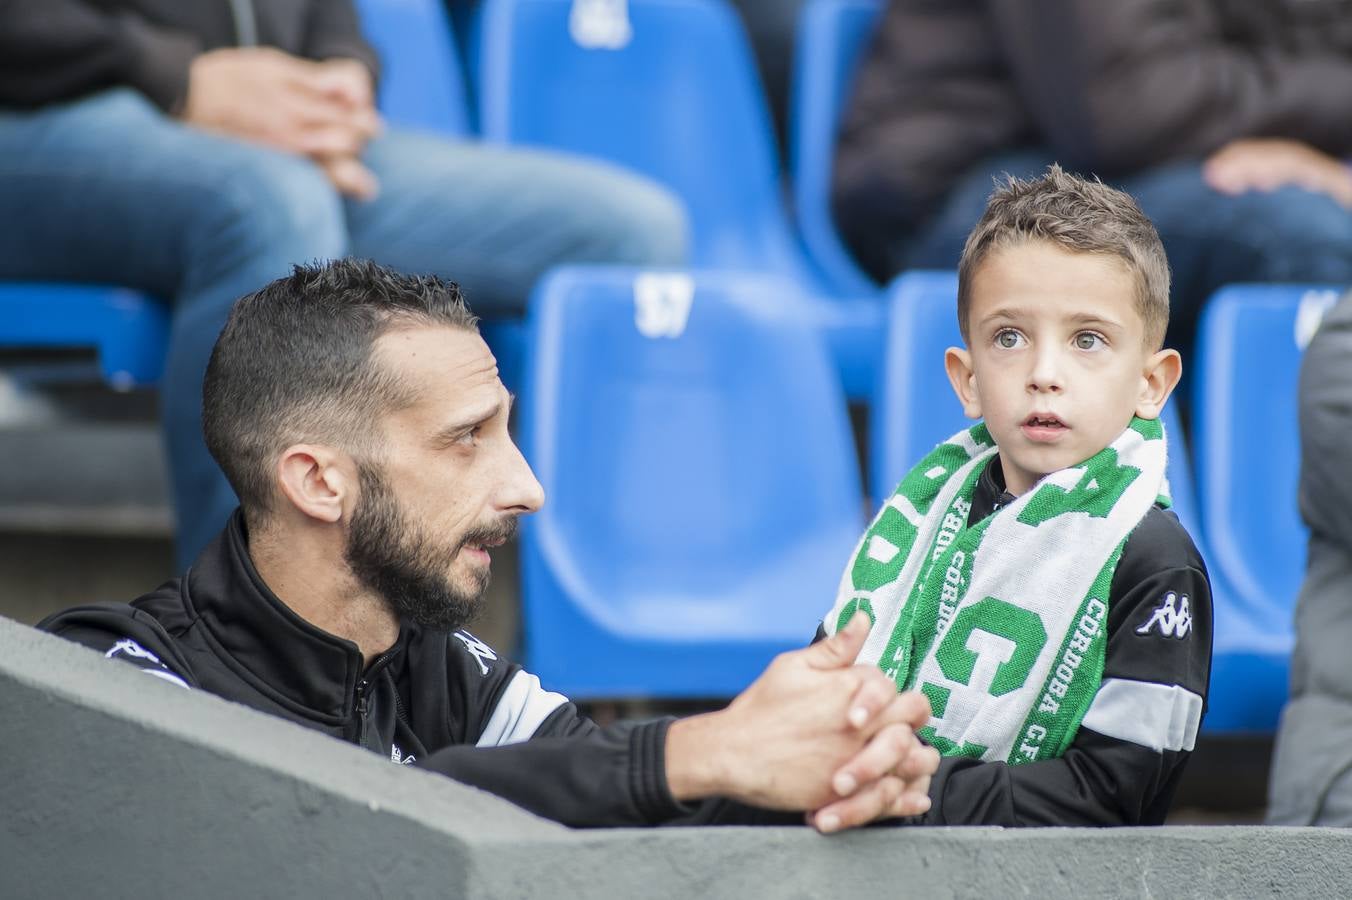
1076 214
294 365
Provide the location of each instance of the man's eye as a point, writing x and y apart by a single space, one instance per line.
1007 339
470 437
1087 340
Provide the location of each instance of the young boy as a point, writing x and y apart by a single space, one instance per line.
1026 575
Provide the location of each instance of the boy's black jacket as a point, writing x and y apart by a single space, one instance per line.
1100 780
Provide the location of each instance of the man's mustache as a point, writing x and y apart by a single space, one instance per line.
498 532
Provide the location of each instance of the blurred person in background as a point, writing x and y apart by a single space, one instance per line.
1311 782
1227 120
196 150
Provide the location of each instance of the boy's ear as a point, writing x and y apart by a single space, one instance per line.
958 364
1162 372
316 481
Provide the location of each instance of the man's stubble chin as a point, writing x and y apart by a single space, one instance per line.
398 561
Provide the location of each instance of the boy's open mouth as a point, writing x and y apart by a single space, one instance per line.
1044 427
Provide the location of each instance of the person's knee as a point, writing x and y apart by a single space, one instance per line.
637 222
276 210
1297 235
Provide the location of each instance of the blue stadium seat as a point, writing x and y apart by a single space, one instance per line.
831 35
128 330
916 408
422 85
1248 458
701 481
667 88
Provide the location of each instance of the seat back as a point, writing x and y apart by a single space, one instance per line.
1246 435
831 36
917 410
667 88
703 495
129 330
422 84
1249 347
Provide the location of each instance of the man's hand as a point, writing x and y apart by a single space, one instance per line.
323 110
816 733
1266 164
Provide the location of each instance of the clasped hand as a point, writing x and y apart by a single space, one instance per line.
816 733
323 110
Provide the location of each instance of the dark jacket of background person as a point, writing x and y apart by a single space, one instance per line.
1311 781
53 50
1106 87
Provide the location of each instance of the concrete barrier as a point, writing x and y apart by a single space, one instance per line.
116 784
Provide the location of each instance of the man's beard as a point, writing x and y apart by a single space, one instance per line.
401 563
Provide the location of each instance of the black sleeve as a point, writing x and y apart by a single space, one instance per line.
333 32
1111 776
53 50
582 775
123 633
1132 83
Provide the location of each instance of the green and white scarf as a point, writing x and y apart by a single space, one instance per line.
1001 624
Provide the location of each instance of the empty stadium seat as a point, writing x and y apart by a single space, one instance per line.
917 409
703 495
127 329
667 88
1248 460
421 82
831 34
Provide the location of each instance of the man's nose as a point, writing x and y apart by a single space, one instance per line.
521 492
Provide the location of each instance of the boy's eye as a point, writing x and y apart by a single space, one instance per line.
1087 340
1007 339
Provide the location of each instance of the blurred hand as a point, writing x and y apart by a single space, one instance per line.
323 110
815 733
1266 164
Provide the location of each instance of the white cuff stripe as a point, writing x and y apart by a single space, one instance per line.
521 709
1158 716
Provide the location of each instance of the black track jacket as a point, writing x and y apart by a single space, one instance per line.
445 702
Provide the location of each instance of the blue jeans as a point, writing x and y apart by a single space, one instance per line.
109 190
1212 239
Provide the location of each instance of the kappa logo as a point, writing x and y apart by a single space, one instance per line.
482 653
131 648
1172 618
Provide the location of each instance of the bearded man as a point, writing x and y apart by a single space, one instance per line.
360 420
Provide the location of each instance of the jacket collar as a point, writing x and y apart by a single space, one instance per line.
262 640
989 494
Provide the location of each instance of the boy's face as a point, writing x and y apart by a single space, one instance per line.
1058 362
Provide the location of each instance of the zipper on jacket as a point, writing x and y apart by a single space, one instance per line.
362 698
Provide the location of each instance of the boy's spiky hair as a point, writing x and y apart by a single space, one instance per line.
1076 214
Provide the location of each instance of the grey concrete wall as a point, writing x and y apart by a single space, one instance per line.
116 784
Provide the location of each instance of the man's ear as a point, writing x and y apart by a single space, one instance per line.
1162 372
317 480
958 365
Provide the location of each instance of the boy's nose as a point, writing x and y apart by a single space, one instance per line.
1046 372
